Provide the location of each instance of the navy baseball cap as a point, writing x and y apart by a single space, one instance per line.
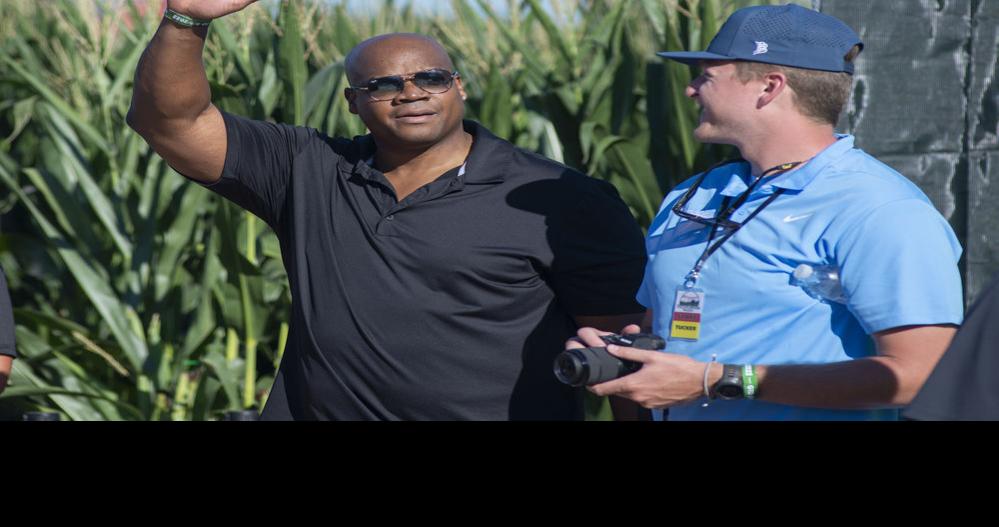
788 35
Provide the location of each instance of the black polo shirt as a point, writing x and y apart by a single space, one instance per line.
449 304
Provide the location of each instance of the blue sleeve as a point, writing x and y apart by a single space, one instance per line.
899 267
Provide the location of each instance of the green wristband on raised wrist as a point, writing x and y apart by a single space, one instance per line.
184 20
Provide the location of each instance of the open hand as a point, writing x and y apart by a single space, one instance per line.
207 9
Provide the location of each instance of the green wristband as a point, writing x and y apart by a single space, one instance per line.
185 20
749 387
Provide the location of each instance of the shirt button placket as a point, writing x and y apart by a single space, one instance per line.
385 226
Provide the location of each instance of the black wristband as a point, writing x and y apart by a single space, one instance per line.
730 384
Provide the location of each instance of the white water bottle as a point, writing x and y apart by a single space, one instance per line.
820 282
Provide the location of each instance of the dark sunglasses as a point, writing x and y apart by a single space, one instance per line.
719 220
435 80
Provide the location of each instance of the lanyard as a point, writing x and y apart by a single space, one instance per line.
726 212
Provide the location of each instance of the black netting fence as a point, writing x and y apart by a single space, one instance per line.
926 101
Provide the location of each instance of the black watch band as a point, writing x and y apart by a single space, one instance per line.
730 384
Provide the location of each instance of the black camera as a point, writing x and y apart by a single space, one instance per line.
586 366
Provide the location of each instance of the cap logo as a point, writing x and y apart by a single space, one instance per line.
761 48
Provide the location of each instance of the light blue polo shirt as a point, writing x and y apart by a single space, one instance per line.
897 257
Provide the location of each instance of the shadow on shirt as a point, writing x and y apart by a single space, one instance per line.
596 264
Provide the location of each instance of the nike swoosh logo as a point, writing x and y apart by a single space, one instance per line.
789 218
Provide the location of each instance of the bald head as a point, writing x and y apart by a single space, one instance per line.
373 56
414 117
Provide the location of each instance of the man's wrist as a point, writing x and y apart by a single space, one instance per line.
183 20
713 373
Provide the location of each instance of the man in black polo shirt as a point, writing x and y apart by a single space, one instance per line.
435 269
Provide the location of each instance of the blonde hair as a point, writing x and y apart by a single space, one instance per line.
819 95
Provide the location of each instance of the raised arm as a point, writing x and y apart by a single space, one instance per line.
171 100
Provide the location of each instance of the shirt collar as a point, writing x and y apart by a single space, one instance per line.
486 162
795 180
489 158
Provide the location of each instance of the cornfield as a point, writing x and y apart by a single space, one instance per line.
140 296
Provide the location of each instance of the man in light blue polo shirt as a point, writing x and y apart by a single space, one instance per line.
744 339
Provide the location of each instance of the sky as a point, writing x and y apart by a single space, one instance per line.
426 6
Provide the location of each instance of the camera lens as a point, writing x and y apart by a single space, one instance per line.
586 366
571 368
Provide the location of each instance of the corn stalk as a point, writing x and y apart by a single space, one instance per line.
141 296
